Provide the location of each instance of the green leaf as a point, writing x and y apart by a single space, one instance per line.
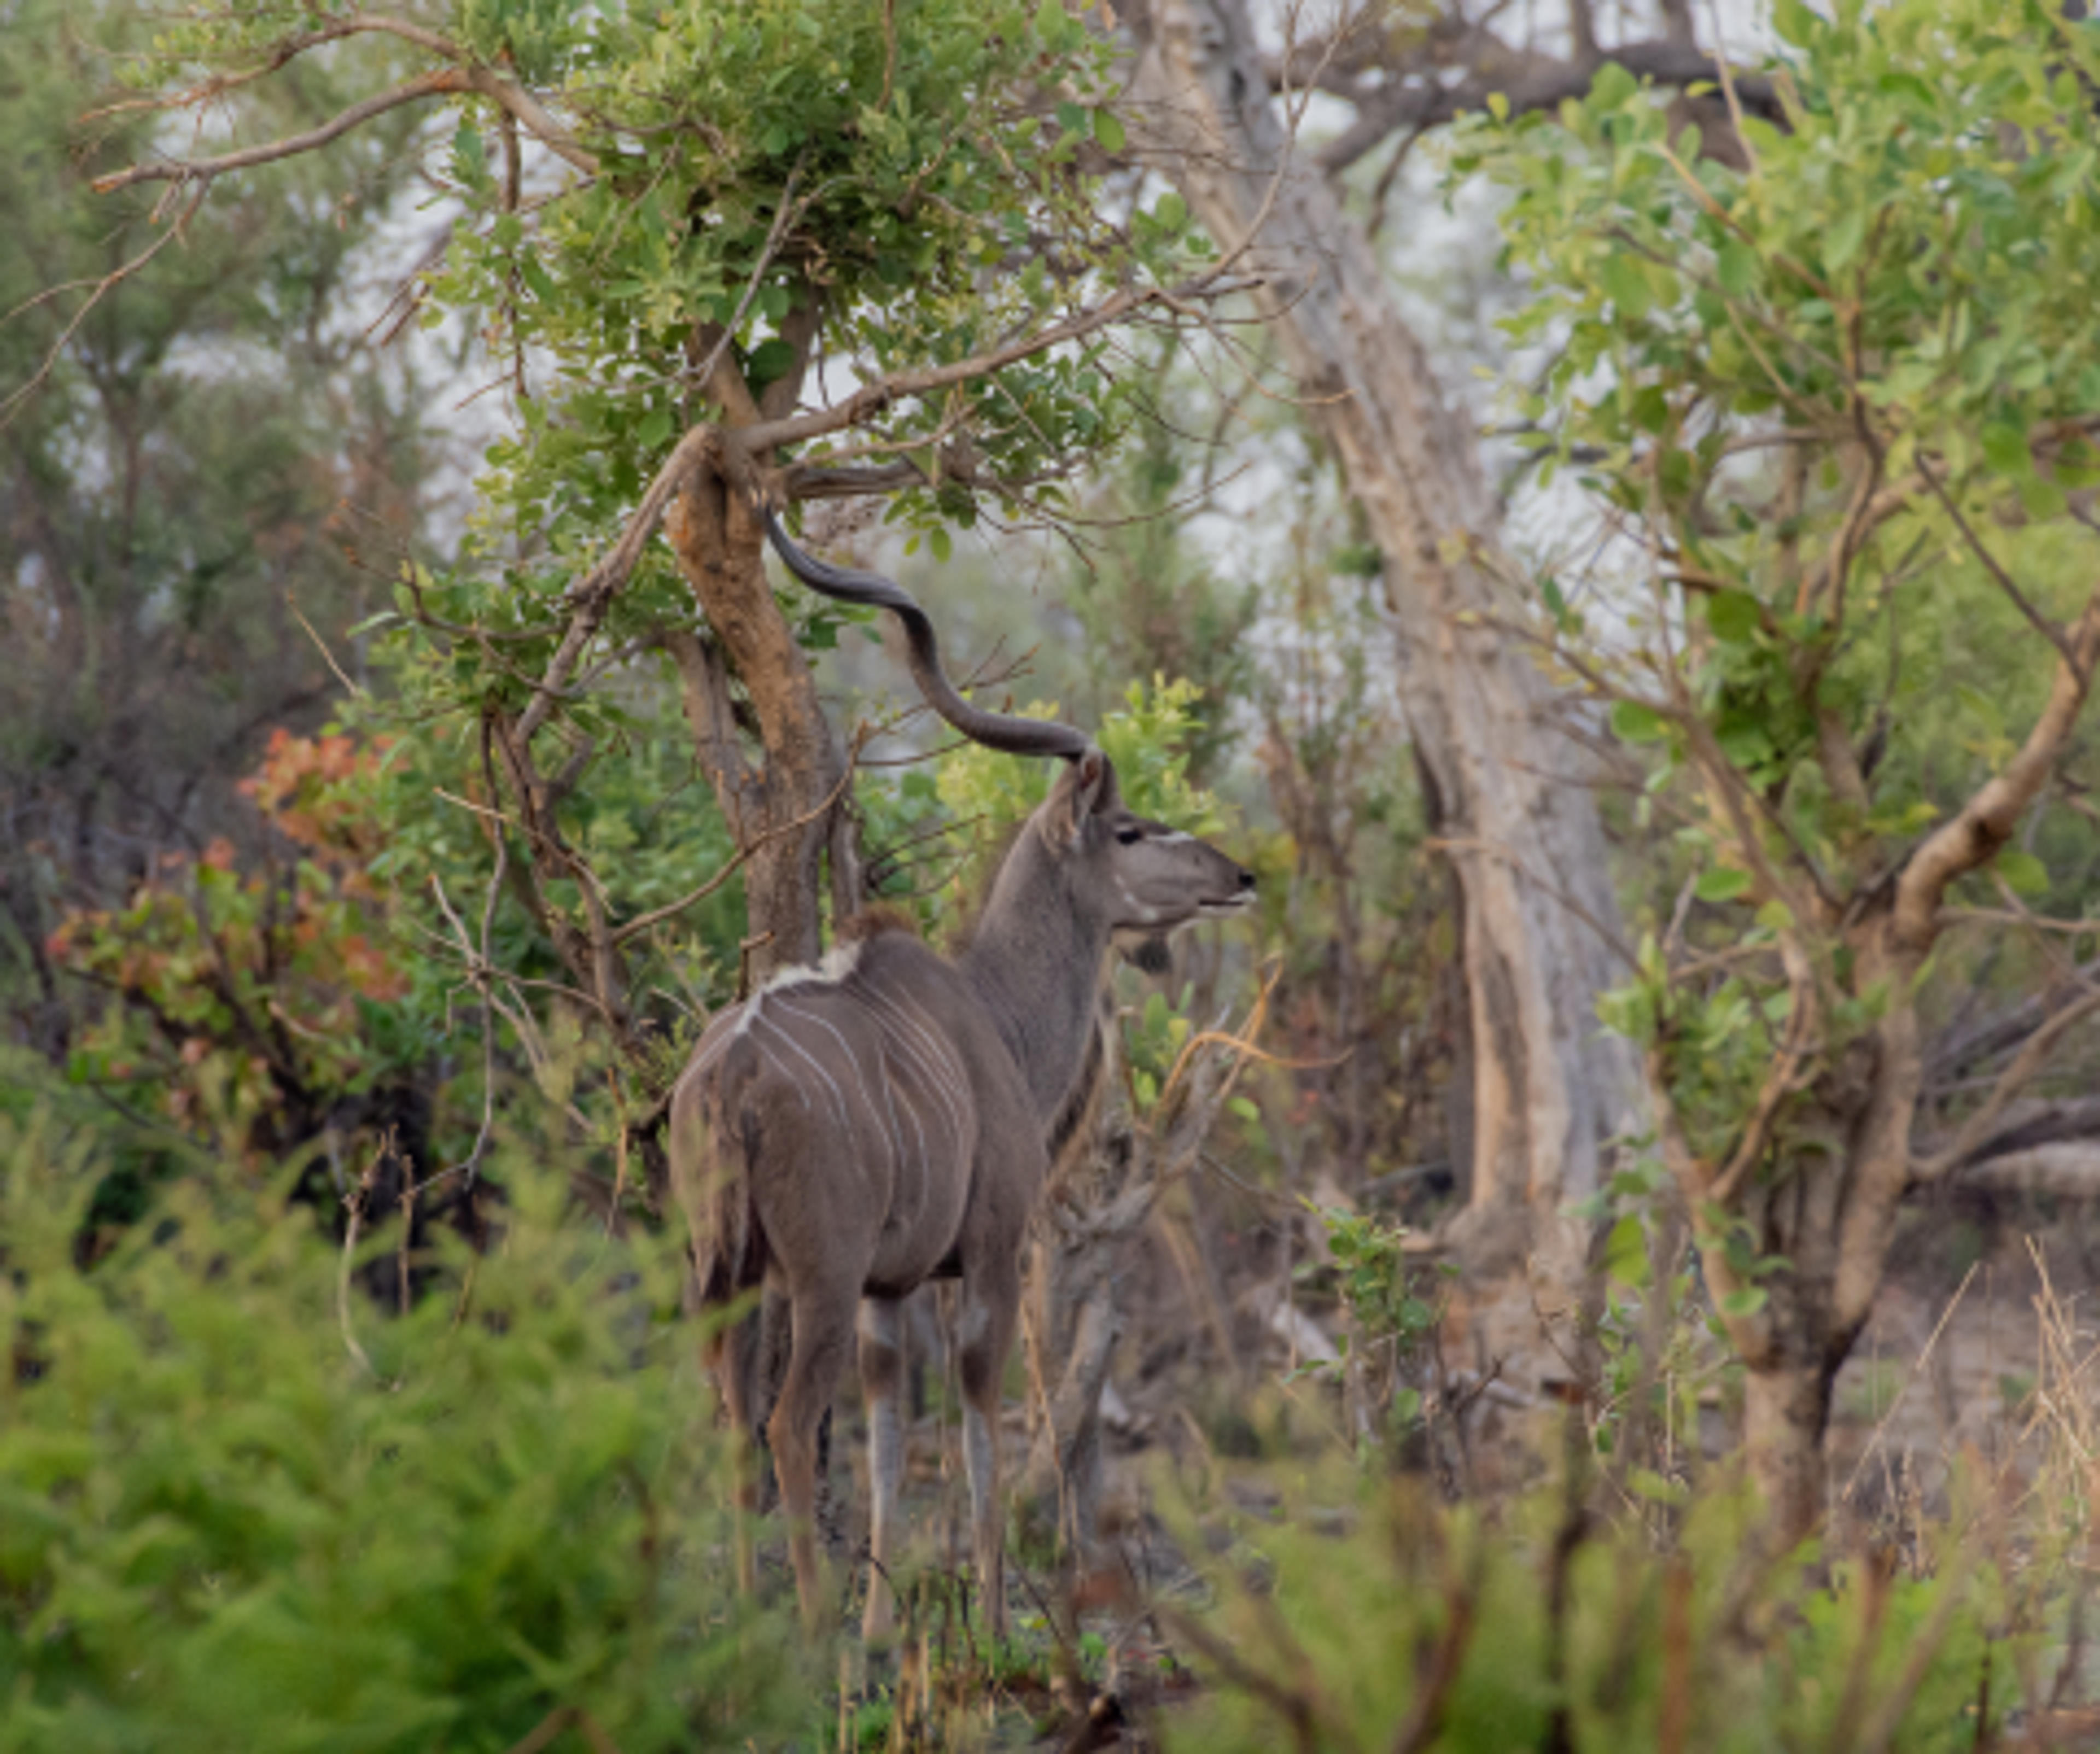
655 427
1734 616
770 360
1657 1489
470 156
1746 1302
1634 721
1612 87
1842 241
1170 211
1722 883
1736 267
1794 23
1625 1252
1625 286
2024 874
939 539
1107 129
2006 450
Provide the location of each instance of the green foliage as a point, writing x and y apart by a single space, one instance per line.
1841 396
1393 1313
1151 740
1153 1040
1437 1629
190 458
245 1004
1383 1297
1148 738
218 1532
894 152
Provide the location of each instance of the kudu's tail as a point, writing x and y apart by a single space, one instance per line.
711 1180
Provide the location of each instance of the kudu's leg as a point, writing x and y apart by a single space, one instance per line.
823 1322
733 1356
881 1380
989 1302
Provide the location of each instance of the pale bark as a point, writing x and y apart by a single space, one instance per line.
1786 1410
2066 1170
1550 1090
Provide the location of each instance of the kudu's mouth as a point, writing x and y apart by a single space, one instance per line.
1238 903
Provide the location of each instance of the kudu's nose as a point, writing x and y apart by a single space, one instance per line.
1246 880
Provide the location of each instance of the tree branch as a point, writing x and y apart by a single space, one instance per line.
461 76
1987 821
1530 83
102 288
1965 1146
441 82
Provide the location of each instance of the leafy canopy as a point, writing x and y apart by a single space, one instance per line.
1839 402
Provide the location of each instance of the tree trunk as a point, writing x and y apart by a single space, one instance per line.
1550 1089
720 546
1786 1410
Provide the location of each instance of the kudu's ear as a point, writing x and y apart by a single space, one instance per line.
1085 787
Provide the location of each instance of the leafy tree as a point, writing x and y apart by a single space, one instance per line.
182 453
251 1003
680 228
1838 403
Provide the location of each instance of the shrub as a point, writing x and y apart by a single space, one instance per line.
220 1529
1433 1628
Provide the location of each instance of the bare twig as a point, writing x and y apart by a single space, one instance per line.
102 288
657 916
356 1204
439 82
2026 1063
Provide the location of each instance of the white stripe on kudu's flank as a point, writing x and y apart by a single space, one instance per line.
787 1073
837 1096
953 1085
935 1064
852 1059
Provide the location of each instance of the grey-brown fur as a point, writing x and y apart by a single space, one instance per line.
850 1132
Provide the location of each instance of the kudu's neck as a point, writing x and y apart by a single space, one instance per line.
1036 961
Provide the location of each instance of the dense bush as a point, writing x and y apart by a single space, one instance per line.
1453 1629
236 1513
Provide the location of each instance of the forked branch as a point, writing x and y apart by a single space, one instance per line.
1987 821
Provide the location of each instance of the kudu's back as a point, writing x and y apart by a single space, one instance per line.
833 1124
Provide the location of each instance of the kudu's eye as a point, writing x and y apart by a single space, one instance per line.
1130 837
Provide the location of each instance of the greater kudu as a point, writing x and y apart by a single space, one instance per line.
853 1130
